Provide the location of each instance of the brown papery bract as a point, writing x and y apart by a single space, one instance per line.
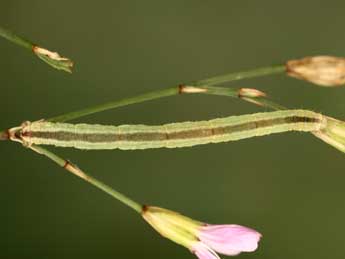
321 70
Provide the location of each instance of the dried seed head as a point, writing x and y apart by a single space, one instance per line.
320 70
53 59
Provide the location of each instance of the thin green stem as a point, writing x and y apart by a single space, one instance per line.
78 172
236 93
16 39
263 71
4 135
182 89
115 104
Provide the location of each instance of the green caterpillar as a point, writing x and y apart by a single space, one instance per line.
182 134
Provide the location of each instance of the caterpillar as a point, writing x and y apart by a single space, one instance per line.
172 135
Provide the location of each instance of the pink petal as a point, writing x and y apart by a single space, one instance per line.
204 252
229 239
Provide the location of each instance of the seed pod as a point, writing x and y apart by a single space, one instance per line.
320 70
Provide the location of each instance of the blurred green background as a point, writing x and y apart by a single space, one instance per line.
290 187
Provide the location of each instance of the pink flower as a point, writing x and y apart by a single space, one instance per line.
226 239
202 239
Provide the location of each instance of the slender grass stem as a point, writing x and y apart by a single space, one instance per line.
260 100
115 104
78 172
263 71
4 135
51 58
16 39
182 89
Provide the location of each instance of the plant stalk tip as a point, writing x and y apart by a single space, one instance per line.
4 135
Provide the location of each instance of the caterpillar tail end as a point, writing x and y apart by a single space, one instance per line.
333 133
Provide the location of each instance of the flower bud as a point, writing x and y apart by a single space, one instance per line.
320 70
172 225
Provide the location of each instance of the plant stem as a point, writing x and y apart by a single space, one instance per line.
78 172
4 135
205 89
236 93
115 104
263 71
16 39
